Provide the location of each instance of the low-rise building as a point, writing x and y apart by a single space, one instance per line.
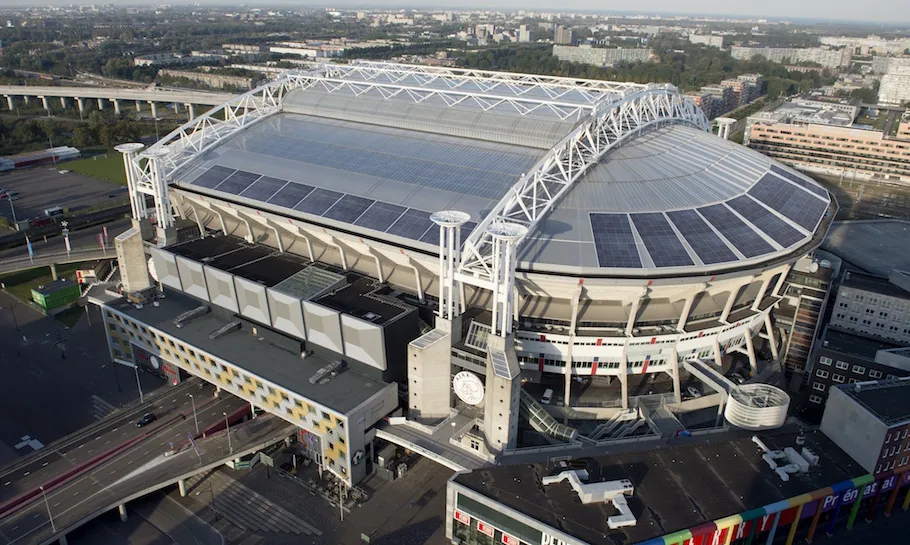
818 133
217 81
870 421
600 56
874 307
707 39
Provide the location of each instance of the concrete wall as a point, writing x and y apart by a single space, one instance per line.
853 428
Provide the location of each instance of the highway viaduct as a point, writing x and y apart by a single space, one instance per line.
114 95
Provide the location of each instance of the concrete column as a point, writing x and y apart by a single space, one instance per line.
761 293
116 106
122 510
181 485
624 380
684 315
101 104
718 358
9 102
192 111
154 109
729 305
252 411
176 107
26 99
750 348
771 340
138 105
677 388
63 102
53 271
780 281
217 390
44 103
630 323
81 104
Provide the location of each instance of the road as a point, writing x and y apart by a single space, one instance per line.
142 465
113 93
83 238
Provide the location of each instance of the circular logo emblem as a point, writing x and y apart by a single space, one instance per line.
155 363
468 387
357 458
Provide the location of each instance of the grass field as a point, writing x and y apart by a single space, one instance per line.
20 284
108 167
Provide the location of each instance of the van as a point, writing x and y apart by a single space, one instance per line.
547 397
53 211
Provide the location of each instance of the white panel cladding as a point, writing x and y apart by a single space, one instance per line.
323 326
364 341
193 278
251 300
221 288
166 268
286 313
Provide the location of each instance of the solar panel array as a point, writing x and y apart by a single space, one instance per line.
800 181
500 363
747 241
661 241
802 207
614 242
426 162
759 216
360 211
709 247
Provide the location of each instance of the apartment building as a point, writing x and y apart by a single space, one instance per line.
818 134
707 39
564 36
895 87
874 307
828 58
600 56
883 65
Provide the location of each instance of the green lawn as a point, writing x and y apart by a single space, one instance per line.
20 284
108 167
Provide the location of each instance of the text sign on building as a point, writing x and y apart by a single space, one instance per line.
462 518
510 540
485 528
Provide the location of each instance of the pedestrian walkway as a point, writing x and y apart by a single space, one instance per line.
247 509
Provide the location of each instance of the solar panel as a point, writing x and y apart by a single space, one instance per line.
348 208
661 241
466 231
237 182
500 364
428 338
709 247
412 224
263 188
431 236
290 195
773 226
213 176
318 201
804 209
800 181
747 241
614 242
380 216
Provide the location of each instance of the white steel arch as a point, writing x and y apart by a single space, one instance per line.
537 191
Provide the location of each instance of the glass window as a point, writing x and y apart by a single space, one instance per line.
824 360
818 386
859 369
842 365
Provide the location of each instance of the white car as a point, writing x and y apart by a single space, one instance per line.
693 391
63 171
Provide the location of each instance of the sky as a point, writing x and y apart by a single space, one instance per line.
890 11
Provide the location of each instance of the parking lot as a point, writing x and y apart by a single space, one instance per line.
44 187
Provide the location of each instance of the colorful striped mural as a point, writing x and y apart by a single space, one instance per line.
772 516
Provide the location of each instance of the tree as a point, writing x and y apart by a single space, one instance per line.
868 96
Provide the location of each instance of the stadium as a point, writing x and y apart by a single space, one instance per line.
527 232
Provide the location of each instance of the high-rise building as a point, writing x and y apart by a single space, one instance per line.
526 33
895 87
564 35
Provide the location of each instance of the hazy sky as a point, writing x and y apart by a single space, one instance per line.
890 11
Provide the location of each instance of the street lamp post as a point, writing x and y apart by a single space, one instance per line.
228 426
196 420
48 505
138 384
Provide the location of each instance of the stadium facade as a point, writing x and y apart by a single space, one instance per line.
372 230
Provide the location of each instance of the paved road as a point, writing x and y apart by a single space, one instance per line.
137 468
111 93
83 238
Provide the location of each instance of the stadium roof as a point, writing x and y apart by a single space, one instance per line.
672 200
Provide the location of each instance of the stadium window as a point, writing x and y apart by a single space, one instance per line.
818 386
875 374
815 398
821 373
824 360
842 365
838 378
859 369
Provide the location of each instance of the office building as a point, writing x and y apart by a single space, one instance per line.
818 134
870 421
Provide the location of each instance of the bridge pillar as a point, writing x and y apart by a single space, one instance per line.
116 106
100 104
26 99
9 102
192 111
154 109
53 271
138 105
122 510
63 102
181 485
44 103
81 104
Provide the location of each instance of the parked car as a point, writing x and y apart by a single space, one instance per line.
547 397
146 419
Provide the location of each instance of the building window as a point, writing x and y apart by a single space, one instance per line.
859 369
904 460
815 398
838 378
842 365
475 445
822 373
818 386
875 374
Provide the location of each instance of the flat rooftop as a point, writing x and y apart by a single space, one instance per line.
854 345
809 110
889 400
877 247
675 488
875 284
261 358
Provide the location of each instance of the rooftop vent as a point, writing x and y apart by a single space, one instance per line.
327 373
612 491
190 314
224 330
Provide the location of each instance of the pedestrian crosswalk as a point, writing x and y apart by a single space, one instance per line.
101 408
